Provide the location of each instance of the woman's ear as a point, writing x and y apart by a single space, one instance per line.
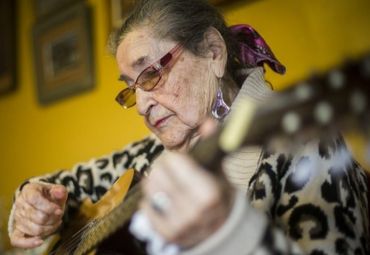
216 51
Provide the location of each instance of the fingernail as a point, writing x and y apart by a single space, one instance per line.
38 242
58 194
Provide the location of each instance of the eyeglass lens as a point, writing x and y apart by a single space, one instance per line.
126 98
147 80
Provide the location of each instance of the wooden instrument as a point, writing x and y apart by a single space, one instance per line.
340 97
96 221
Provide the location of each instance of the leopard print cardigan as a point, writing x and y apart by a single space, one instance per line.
314 199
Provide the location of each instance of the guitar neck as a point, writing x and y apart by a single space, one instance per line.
336 99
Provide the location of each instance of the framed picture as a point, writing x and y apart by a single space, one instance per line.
118 11
45 7
63 54
7 46
215 2
224 2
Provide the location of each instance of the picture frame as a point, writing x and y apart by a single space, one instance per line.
46 7
119 9
8 46
216 2
225 2
63 54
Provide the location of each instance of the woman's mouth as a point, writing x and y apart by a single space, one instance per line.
161 122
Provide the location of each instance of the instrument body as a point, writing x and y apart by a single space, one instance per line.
71 238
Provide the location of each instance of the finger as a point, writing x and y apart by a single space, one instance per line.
208 128
163 171
58 194
25 211
184 228
199 185
203 193
33 230
177 216
161 180
174 228
179 204
46 217
36 198
160 223
192 192
19 240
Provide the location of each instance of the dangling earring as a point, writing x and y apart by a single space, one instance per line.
220 109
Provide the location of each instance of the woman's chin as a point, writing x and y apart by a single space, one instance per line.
180 144
175 137
174 143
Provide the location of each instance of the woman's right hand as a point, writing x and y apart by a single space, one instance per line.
38 213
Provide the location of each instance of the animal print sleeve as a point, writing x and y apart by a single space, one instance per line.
315 198
93 178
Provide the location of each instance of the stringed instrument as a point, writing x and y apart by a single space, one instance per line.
340 97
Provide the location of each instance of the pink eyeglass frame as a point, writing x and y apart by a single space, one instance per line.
158 67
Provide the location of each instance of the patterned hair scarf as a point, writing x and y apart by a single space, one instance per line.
254 50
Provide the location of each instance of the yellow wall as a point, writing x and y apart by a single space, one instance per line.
306 35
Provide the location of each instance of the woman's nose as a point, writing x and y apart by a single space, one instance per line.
144 101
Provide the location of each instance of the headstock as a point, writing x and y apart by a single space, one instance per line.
337 98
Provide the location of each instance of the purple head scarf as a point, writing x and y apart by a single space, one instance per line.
253 48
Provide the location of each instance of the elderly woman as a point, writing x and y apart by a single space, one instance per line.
182 65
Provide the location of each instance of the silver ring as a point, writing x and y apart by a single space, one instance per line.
160 202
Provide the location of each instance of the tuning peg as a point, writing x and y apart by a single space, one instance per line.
303 91
365 67
291 122
323 113
358 102
336 79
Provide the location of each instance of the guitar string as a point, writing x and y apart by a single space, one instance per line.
71 240
117 213
78 237
75 241
92 231
88 234
71 243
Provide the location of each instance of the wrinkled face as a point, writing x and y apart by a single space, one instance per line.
181 101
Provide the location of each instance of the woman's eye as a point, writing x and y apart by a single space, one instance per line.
150 74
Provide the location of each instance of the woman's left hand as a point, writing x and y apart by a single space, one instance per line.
184 203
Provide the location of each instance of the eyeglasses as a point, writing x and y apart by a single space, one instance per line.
149 77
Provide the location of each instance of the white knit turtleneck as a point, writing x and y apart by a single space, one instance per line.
241 165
